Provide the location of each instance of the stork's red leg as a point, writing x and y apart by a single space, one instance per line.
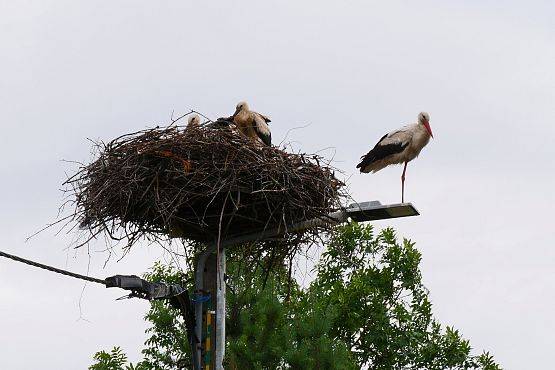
403 183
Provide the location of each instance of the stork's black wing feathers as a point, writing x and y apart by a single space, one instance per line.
265 118
266 138
221 122
381 152
261 128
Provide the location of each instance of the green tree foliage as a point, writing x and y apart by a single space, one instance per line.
167 347
267 330
113 360
366 308
383 312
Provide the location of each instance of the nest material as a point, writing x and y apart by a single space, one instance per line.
201 184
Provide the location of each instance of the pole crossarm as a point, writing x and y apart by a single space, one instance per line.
141 288
360 212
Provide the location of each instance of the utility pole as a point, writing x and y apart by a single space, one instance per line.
210 287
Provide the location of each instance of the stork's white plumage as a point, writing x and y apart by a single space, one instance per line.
400 146
194 120
252 124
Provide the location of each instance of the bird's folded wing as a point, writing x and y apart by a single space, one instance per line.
265 118
262 130
398 137
392 143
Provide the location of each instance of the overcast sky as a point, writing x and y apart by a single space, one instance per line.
353 70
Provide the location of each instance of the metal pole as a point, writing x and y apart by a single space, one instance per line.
199 286
209 306
220 312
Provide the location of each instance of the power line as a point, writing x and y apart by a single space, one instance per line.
139 288
52 269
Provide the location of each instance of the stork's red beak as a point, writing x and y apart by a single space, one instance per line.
427 125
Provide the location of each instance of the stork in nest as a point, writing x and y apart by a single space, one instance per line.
252 124
194 120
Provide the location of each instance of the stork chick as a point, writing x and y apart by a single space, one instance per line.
400 146
194 120
252 124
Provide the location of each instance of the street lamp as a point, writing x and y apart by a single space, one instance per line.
374 210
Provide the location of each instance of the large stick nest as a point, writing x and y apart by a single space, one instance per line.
199 183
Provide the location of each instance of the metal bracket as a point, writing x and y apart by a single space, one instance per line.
179 298
141 288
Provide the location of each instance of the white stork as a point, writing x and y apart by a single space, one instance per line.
400 146
252 124
194 120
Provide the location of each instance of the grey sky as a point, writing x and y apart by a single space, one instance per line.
352 70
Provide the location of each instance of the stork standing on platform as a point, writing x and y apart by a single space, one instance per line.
252 124
400 146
